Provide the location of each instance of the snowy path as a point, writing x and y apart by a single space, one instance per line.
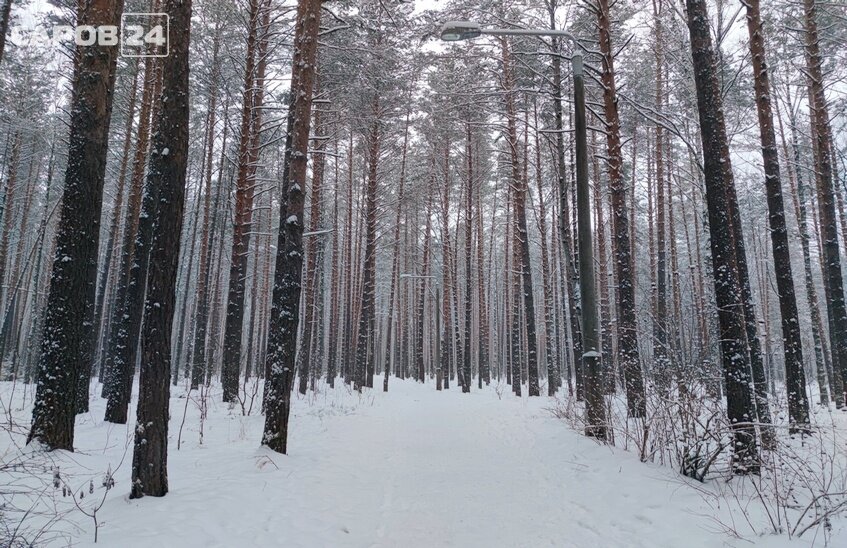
411 468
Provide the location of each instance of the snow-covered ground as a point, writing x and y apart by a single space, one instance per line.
411 467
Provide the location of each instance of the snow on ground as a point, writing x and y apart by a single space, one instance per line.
413 467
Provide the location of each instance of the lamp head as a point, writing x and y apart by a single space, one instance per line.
453 31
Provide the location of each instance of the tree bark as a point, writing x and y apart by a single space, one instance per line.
164 200
244 191
795 379
126 311
521 237
741 407
198 358
66 348
624 270
5 12
833 282
306 364
367 315
285 309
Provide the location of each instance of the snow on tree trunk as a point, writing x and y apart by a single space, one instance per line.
741 407
285 308
833 281
67 344
166 182
624 271
798 403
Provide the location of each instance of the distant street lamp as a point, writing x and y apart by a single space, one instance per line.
453 31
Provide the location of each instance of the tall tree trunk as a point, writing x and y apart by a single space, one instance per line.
36 315
285 310
833 285
741 406
8 209
367 315
66 349
347 334
553 380
419 334
312 267
164 200
795 379
624 270
395 263
603 275
176 366
198 358
244 191
5 12
335 291
798 196
126 313
522 238
115 229
469 190
484 329
446 316
660 324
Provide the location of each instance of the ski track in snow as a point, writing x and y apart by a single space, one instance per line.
410 468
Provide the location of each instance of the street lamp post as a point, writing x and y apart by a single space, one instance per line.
453 31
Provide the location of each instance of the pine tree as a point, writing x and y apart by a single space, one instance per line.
164 200
244 192
821 137
741 407
624 271
68 334
285 310
798 404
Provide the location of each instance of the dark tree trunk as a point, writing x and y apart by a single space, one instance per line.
8 207
115 229
164 200
395 263
798 196
367 315
5 12
660 327
37 316
335 290
419 344
198 358
126 313
795 379
306 364
624 271
741 407
68 336
484 367
244 190
466 385
833 282
521 236
285 309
